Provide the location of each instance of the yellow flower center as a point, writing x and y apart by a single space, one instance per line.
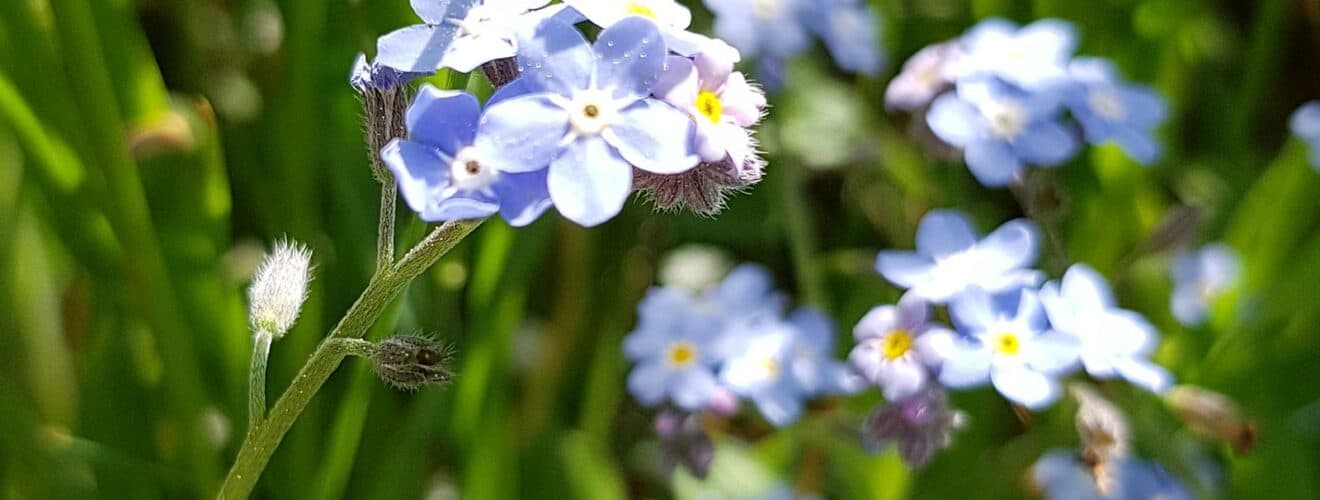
682 354
771 367
1007 343
636 8
897 343
709 105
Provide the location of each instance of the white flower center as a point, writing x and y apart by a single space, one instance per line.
590 112
1005 118
467 173
1106 104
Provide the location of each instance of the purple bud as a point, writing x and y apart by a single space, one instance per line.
683 440
922 424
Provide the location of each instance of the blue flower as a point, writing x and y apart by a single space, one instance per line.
1114 342
675 352
1112 110
893 350
671 17
1199 279
368 75
949 259
812 364
588 117
851 31
762 28
1305 124
1064 476
924 76
461 34
1005 341
1000 127
444 174
1033 57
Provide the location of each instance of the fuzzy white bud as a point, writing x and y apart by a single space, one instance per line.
279 288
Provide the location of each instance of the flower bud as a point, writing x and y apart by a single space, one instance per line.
704 188
683 440
1213 416
1104 434
408 362
384 106
279 288
922 424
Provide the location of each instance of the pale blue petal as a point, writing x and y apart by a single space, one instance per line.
1146 375
815 330
878 322
1305 122
446 119
965 365
421 172
1012 245
515 88
417 49
462 206
1052 353
1086 288
1045 144
523 197
436 11
590 182
992 162
955 121
655 137
631 55
1139 146
780 407
648 382
693 388
466 53
903 378
973 311
944 232
1188 306
905 269
1023 386
554 57
522 134
1144 106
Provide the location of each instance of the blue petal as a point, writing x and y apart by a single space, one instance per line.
522 134
517 87
973 311
992 162
446 119
954 121
462 206
554 57
1045 144
648 382
1144 106
436 11
655 137
523 197
1140 146
631 56
1024 386
420 170
943 232
590 182
905 269
418 48
1012 245
778 405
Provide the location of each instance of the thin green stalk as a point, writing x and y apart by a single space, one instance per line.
257 379
343 340
385 229
801 233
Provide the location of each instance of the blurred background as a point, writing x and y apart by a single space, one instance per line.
151 150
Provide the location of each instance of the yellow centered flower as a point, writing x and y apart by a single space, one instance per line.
681 354
636 8
771 367
709 105
897 343
1007 343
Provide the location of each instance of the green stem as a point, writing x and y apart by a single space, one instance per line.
801 234
385 229
257 379
345 339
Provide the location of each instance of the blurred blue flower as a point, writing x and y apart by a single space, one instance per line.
1112 110
1064 476
1005 341
1033 57
671 17
949 259
722 105
368 75
675 351
893 350
1114 342
811 363
1199 278
588 117
1000 127
924 76
1305 124
460 34
851 31
762 28
442 173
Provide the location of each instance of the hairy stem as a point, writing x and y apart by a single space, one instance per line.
345 339
385 228
257 379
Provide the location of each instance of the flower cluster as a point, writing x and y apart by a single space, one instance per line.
999 93
1009 330
775 30
1305 124
1200 278
703 349
648 106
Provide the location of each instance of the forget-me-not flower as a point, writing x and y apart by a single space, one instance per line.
671 17
444 174
1032 57
368 75
723 106
812 362
773 29
675 350
1112 110
589 117
460 34
1114 342
949 258
924 76
1000 128
760 369
1199 278
1006 341
851 32
1062 475
893 350
1305 124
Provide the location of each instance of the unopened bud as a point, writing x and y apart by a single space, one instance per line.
684 441
279 288
1104 434
921 424
703 189
409 362
384 106
1213 416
